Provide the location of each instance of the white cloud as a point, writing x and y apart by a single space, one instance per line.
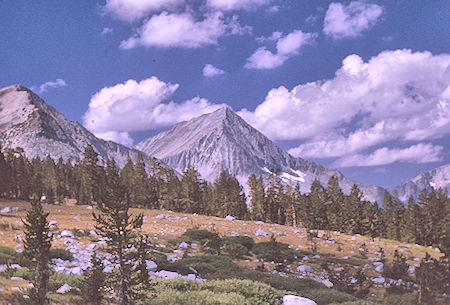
107 31
209 71
350 20
396 96
286 47
58 83
419 153
131 10
230 5
135 106
182 30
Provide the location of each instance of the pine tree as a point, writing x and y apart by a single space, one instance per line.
37 245
190 191
336 197
4 175
127 180
89 186
258 200
120 230
94 282
229 196
319 205
143 195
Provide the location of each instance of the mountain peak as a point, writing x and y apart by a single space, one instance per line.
222 140
26 121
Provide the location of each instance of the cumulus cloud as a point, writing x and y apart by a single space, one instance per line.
419 153
182 30
350 20
230 5
116 111
58 83
210 71
131 10
396 97
286 47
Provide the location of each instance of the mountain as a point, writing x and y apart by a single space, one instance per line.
435 178
27 121
222 140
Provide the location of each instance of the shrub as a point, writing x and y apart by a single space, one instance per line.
273 251
61 253
24 273
228 292
243 240
56 280
213 266
234 250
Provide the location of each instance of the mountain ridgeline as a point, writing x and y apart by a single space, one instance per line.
212 143
26 121
222 140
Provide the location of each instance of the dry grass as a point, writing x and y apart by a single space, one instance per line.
80 217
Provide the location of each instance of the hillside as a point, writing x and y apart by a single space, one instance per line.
342 254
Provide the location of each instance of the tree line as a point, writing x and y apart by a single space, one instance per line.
424 221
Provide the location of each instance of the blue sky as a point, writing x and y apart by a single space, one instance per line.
362 86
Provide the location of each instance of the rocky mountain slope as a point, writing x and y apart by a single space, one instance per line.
224 141
27 121
435 178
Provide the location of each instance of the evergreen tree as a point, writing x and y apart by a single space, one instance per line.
336 198
258 198
37 245
229 197
127 180
143 195
89 186
191 196
119 228
94 282
319 205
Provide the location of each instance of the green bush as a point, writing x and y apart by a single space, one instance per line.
243 240
228 292
213 266
56 280
9 255
234 250
24 273
273 251
254 292
61 253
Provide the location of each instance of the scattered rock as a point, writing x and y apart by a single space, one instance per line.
183 245
151 265
230 218
379 280
163 216
16 278
9 209
411 269
260 232
63 289
379 266
295 300
305 269
66 233
327 283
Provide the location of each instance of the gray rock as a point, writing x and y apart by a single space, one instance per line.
296 300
